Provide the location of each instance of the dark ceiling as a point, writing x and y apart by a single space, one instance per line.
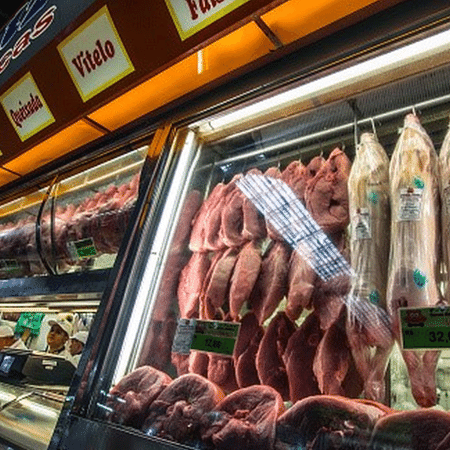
8 9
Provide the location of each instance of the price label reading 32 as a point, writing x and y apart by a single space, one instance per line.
425 328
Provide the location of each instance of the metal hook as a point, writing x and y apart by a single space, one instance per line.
414 110
373 127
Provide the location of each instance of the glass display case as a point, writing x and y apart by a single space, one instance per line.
291 286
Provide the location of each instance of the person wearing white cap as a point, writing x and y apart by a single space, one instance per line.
76 345
58 336
8 340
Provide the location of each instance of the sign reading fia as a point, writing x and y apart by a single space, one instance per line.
95 56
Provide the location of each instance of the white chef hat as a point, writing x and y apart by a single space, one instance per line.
65 324
6 331
81 336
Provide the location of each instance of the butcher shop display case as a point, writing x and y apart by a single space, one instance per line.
291 286
75 224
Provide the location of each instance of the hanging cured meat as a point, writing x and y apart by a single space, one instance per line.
269 359
244 420
414 250
370 336
326 195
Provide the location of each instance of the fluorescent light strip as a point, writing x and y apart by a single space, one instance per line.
374 66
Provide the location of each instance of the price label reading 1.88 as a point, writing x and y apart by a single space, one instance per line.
425 328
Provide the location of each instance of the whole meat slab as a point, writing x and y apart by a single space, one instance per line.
415 252
341 420
415 430
137 391
299 357
177 411
245 419
269 358
326 195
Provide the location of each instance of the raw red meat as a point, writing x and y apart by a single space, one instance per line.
232 220
221 372
342 423
301 286
190 284
217 281
326 194
244 420
415 430
176 413
333 358
299 356
245 274
247 344
269 361
137 391
294 175
271 285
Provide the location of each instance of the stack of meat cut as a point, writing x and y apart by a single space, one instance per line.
194 411
102 217
241 269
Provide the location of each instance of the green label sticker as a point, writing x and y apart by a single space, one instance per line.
374 297
84 248
419 279
425 328
418 182
215 337
373 198
9 265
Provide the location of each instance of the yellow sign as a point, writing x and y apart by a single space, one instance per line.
95 56
191 16
26 108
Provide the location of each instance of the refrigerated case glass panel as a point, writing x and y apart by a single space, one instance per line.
284 230
76 224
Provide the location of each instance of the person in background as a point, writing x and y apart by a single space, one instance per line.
76 345
8 340
58 336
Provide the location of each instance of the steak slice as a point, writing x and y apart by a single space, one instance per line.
232 220
176 413
348 423
217 283
269 361
299 357
137 390
221 372
294 175
245 419
414 430
190 284
326 195
301 279
197 238
247 344
245 274
271 285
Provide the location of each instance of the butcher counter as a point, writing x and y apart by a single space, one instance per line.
28 415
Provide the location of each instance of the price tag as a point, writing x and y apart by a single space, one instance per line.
9 265
410 205
362 224
183 336
425 328
82 249
215 337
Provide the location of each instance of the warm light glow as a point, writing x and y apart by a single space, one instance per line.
387 62
58 145
234 50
